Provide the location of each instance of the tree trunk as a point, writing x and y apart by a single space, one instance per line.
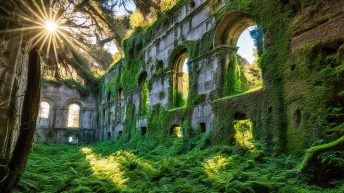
27 123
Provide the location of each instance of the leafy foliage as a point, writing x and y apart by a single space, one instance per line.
177 165
232 78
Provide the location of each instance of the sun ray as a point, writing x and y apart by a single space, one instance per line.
41 11
21 29
50 10
49 45
43 43
73 44
29 20
49 31
55 50
33 12
37 38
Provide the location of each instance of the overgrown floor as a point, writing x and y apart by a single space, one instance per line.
179 165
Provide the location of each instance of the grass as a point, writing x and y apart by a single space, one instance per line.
178 165
240 94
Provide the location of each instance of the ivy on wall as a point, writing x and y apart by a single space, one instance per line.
275 59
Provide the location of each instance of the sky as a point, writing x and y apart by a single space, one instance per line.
246 45
110 46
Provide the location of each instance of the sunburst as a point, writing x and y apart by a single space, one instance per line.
51 26
45 27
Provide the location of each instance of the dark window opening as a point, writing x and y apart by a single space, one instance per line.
2 86
192 4
120 94
160 64
119 134
104 117
292 67
297 118
143 130
108 96
157 46
109 118
332 47
202 127
240 116
329 50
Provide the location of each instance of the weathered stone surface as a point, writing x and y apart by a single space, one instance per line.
332 29
59 98
271 109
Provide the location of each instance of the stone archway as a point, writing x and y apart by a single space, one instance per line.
180 76
230 27
239 34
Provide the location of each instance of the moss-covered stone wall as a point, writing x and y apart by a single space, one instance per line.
301 62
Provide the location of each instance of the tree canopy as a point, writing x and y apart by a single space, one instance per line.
85 28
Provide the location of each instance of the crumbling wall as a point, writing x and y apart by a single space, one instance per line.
312 76
56 130
289 111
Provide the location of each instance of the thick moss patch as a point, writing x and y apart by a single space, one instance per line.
177 165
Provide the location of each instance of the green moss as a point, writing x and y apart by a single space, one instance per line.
144 99
313 152
232 76
179 100
276 61
142 165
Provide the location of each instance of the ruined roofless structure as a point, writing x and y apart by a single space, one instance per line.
297 91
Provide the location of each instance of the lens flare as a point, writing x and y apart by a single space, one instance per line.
47 28
51 26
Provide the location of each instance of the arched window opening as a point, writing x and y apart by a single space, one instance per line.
108 96
249 47
120 94
104 117
119 134
202 127
192 4
44 114
143 83
109 117
242 72
240 116
243 128
297 118
181 80
143 130
177 131
73 116
44 110
73 139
